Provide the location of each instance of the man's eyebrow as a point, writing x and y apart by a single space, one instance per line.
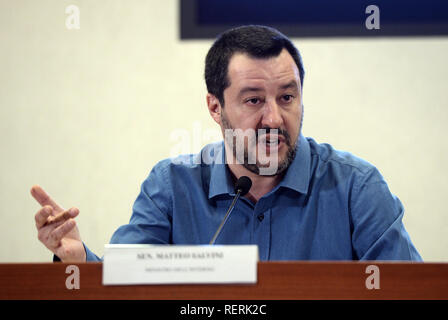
290 85
249 89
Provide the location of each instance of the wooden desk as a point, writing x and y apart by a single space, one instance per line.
276 281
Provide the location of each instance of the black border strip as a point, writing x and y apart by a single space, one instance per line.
273 309
190 29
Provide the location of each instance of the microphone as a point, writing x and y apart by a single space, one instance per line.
242 187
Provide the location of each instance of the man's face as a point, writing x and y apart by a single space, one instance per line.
263 94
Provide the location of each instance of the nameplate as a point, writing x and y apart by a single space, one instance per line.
126 264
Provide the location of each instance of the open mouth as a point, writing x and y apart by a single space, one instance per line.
270 141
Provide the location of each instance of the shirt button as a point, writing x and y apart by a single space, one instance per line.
260 217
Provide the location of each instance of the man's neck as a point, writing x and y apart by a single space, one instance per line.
261 185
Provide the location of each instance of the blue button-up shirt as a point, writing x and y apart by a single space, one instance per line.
330 205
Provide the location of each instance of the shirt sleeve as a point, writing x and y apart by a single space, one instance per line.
151 218
90 256
378 230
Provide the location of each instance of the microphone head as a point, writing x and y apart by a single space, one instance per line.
243 185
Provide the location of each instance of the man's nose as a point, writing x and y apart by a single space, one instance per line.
272 117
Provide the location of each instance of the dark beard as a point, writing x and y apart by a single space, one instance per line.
255 167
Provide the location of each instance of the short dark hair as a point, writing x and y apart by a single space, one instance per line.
256 41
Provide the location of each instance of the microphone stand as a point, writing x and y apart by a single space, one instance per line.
223 222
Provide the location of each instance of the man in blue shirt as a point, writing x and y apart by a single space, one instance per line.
307 201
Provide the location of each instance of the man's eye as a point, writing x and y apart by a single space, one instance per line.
287 97
253 101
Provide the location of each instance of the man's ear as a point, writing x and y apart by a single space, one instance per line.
214 107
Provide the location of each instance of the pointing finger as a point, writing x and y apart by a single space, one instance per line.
44 198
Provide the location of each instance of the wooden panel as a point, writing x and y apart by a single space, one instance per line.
276 281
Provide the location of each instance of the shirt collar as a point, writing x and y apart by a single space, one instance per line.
296 178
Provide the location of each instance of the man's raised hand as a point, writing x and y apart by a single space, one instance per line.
56 228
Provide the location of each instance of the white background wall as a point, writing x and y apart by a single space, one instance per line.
86 113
